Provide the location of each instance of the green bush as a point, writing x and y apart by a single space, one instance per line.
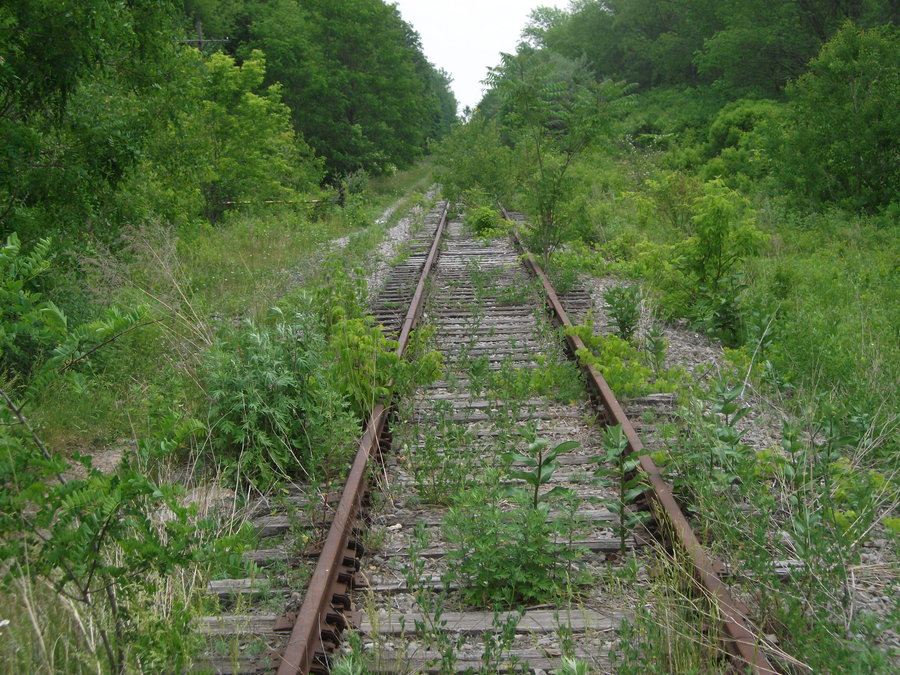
484 220
362 363
272 411
841 143
29 325
103 545
532 569
623 303
622 366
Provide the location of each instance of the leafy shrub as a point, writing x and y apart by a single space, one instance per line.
723 233
736 120
575 257
483 220
104 542
532 568
287 400
36 342
363 363
672 194
624 306
622 365
29 325
623 476
475 157
841 143
271 409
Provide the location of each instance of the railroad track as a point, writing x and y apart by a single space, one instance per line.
390 566
254 628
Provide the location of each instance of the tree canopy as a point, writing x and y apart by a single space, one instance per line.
113 110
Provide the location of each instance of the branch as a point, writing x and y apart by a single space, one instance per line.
24 422
59 586
104 343
98 541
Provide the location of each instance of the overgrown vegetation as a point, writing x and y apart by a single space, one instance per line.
158 197
183 111
747 185
537 561
100 415
738 161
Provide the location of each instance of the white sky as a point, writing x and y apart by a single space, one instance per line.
465 37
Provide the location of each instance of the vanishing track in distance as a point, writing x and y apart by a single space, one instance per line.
487 312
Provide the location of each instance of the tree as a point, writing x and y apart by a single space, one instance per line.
475 160
554 110
72 74
232 141
353 74
841 143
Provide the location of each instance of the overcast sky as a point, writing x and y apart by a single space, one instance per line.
465 37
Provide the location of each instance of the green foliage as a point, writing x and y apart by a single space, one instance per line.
723 233
29 325
737 140
363 362
108 119
824 507
572 666
343 296
753 46
541 467
725 411
483 220
621 365
233 142
841 144
672 631
286 399
624 306
272 409
672 193
533 568
352 662
65 147
556 112
444 463
474 158
655 344
621 472
100 540
358 85
430 627
36 342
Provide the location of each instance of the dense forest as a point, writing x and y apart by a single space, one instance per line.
174 177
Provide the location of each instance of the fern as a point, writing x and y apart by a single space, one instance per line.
29 324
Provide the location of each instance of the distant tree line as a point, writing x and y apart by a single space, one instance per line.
747 47
800 93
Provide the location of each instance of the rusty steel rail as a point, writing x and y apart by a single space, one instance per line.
321 619
741 642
